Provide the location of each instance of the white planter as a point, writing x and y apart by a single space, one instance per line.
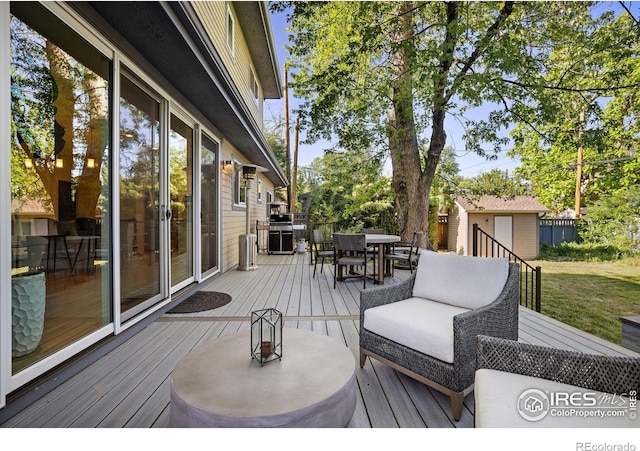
28 295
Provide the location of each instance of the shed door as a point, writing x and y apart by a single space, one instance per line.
503 231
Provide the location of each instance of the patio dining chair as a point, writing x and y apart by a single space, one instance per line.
349 250
322 249
372 250
408 255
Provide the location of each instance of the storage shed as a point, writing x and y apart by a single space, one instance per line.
512 221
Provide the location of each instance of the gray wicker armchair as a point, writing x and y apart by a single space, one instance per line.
506 370
430 340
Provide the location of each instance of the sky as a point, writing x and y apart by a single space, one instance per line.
470 163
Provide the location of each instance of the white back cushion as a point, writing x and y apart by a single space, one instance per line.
467 282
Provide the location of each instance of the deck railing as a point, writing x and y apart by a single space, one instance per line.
530 277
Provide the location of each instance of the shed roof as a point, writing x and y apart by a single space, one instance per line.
496 204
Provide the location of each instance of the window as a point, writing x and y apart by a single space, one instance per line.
259 190
239 188
231 31
255 88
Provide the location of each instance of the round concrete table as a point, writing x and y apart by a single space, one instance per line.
219 385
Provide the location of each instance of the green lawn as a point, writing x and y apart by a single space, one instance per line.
591 296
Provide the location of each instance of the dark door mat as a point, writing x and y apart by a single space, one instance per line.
201 301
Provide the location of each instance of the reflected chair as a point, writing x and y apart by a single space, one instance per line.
322 249
406 255
349 250
37 247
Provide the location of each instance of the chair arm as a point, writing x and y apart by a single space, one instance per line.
498 319
373 297
609 374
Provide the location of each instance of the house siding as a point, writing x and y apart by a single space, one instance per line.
233 217
212 15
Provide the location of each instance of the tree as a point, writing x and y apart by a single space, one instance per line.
592 112
347 188
614 220
386 75
59 112
494 183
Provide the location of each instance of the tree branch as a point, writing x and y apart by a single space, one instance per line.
628 12
480 46
566 89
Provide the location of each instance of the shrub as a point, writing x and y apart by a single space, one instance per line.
582 252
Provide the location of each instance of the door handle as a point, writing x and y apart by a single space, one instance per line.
166 213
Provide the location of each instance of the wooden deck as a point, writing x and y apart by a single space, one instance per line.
129 386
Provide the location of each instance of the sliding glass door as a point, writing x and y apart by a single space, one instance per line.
140 216
180 206
208 205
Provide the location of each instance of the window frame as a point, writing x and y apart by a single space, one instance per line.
239 186
254 86
230 31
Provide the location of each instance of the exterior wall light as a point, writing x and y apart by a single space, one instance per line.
228 167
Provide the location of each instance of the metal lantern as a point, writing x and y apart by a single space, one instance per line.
266 335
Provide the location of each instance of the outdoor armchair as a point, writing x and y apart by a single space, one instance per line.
525 385
426 326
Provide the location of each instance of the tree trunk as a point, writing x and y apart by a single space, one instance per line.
95 131
64 104
412 193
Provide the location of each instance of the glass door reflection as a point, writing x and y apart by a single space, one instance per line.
140 256
208 205
181 202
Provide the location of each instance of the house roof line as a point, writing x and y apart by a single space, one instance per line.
497 204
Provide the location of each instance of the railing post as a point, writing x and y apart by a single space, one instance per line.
538 288
474 246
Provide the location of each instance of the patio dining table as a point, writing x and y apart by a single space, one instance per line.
382 242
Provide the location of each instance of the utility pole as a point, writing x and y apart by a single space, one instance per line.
294 178
286 138
579 166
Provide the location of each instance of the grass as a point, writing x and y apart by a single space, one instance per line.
591 296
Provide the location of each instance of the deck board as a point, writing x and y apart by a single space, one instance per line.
129 386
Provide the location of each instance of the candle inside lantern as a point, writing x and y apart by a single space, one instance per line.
265 350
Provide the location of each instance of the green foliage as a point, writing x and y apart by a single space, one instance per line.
588 252
596 75
373 84
274 134
614 220
347 188
494 183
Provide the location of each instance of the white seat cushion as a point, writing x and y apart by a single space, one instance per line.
467 282
416 323
497 395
